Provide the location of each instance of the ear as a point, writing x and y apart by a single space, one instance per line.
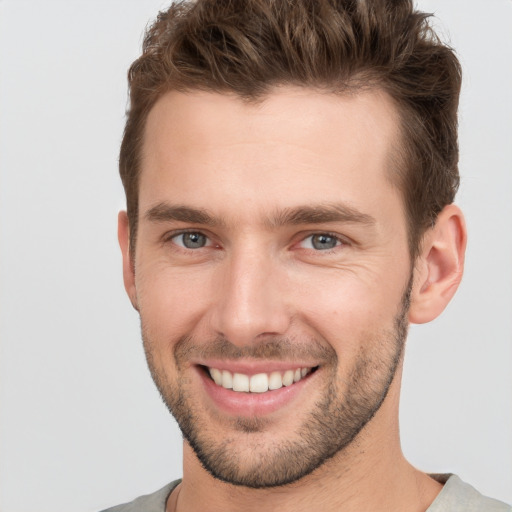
123 235
439 266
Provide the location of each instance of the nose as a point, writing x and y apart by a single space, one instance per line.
251 299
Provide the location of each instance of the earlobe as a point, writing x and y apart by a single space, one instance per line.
123 235
439 266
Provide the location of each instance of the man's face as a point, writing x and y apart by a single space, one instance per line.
271 252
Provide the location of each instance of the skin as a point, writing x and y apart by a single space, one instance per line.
259 280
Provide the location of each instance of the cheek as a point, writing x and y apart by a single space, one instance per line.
171 301
346 307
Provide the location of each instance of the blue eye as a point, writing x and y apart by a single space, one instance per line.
321 242
192 240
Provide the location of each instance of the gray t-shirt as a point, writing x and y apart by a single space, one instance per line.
456 496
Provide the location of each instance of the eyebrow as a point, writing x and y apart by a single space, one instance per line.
164 212
320 214
306 214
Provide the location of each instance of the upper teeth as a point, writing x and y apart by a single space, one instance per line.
258 383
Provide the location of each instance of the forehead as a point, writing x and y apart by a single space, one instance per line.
296 142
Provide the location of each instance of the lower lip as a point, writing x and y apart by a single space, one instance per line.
252 404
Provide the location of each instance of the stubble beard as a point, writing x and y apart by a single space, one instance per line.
330 427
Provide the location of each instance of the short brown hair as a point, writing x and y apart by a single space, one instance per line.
247 47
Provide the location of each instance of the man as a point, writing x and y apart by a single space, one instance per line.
290 170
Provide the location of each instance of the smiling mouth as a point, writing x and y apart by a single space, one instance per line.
260 382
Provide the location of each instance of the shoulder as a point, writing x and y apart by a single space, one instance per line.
154 502
458 496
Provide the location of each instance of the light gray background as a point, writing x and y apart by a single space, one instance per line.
81 425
